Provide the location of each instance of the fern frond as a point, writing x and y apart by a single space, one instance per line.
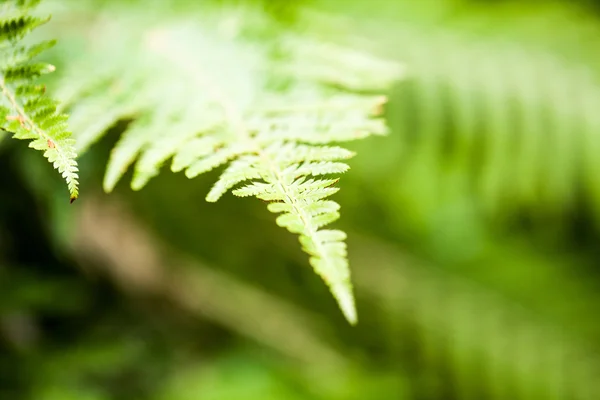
25 110
218 99
500 108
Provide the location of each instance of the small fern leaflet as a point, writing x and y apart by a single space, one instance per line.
25 110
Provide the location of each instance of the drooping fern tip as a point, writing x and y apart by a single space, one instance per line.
25 109
268 112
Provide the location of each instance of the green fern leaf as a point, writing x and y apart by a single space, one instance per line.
214 99
26 111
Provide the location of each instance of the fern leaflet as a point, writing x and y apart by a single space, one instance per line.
25 110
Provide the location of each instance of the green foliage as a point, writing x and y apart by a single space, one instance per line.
484 119
25 111
473 244
488 342
219 93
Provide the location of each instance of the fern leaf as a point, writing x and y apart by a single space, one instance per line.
322 168
240 170
498 84
26 111
215 100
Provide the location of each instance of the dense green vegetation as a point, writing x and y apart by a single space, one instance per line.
472 225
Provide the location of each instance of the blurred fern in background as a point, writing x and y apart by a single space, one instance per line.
473 226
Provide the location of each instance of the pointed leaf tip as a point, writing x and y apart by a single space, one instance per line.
345 298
